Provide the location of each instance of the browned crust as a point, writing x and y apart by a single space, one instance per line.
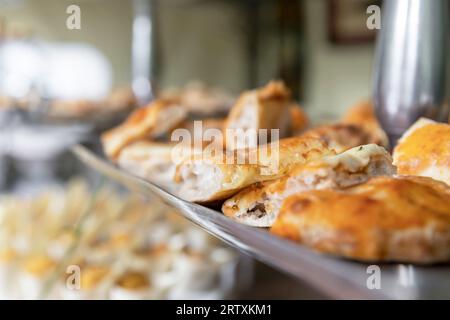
425 147
386 219
137 126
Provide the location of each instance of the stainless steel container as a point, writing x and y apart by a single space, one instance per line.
411 64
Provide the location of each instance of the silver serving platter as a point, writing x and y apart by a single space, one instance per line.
335 277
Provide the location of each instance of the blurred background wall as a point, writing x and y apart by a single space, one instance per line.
207 40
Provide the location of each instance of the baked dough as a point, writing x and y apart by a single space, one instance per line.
265 108
403 219
149 122
204 179
259 204
363 114
424 150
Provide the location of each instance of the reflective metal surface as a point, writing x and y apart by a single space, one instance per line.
335 277
411 64
143 49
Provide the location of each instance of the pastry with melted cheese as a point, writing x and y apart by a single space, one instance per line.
152 121
424 150
363 114
403 219
259 204
204 179
265 108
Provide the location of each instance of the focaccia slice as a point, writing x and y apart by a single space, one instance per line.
402 219
151 121
259 204
424 150
205 179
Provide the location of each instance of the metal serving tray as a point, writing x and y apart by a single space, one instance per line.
334 277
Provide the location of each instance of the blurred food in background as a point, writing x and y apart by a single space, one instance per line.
78 243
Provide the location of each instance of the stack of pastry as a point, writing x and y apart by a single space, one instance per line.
334 188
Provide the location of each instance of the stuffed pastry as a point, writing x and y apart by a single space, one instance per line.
259 204
403 219
424 150
204 179
149 122
266 108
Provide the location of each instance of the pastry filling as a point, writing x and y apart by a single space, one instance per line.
200 181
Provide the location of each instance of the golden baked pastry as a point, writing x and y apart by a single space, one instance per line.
204 178
264 108
151 121
424 150
259 204
404 219
363 114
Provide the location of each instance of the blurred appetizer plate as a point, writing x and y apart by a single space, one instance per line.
335 277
